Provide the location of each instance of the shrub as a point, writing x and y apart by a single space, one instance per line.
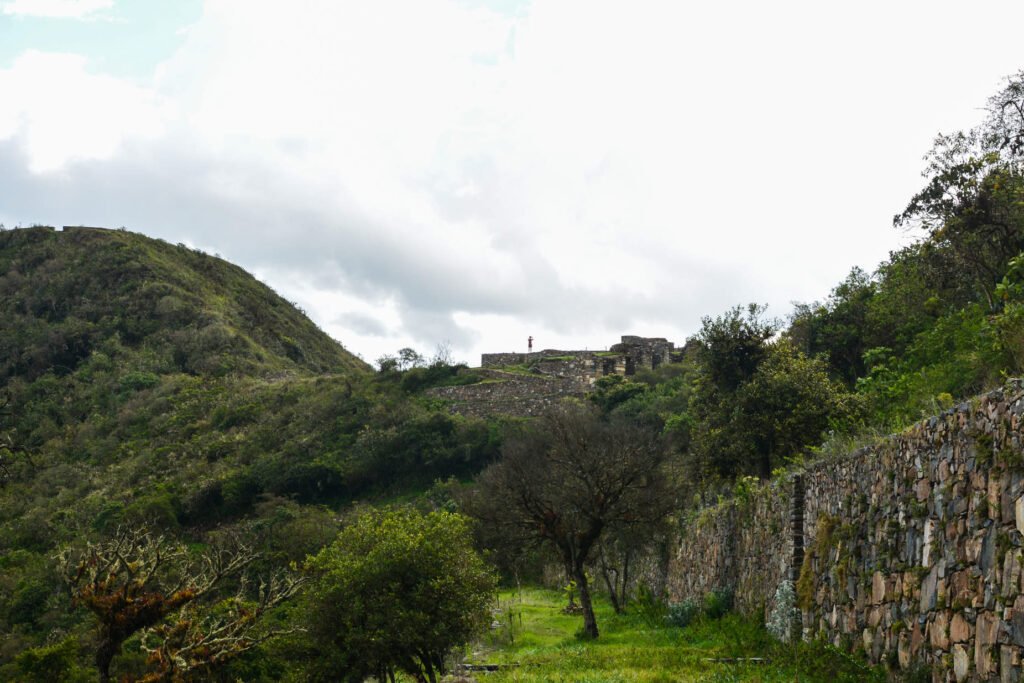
718 603
682 614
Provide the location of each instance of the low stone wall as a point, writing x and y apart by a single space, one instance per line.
745 545
912 548
504 393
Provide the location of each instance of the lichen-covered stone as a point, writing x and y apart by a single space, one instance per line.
961 663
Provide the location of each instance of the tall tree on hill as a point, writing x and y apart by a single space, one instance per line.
570 479
973 204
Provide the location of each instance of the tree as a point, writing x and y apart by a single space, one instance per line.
570 479
788 406
730 349
134 580
757 401
201 639
838 328
973 203
396 591
733 345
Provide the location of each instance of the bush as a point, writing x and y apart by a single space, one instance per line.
396 591
682 614
718 603
51 663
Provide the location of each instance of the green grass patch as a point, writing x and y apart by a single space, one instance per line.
537 642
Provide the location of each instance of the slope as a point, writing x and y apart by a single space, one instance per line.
66 294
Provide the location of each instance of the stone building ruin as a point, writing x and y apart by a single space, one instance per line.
625 358
530 383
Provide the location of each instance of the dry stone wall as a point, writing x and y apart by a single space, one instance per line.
505 393
745 545
911 549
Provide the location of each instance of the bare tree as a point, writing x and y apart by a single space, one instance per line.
199 640
570 479
135 579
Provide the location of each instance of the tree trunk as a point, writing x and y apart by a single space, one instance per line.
589 621
623 590
610 583
104 656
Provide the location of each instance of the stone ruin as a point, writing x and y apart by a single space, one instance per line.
529 383
625 358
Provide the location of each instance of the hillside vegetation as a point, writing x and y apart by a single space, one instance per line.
162 308
146 383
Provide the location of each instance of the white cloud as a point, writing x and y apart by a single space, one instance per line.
581 169
62 112
60 9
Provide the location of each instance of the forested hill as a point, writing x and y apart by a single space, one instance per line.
148 384
64 295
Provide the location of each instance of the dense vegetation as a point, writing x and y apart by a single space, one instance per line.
150 384
164 418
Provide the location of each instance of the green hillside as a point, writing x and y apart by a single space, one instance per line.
147 383
65 295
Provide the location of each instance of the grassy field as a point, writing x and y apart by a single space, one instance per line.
537 642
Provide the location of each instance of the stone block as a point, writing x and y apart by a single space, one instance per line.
903 650
985 637
877 588
1018 508
938 631
961 663
959 629
928 590
987 558
1009 664
1016 627
923 489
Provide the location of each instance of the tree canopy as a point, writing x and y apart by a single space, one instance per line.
569 480
396 591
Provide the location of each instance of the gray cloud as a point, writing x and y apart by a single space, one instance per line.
166 192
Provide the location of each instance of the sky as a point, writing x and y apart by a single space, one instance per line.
474 172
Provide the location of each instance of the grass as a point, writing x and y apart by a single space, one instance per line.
537 642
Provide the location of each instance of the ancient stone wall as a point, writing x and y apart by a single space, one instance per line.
745 545
912 548
504 393
625 358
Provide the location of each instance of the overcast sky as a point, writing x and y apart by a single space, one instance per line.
478 171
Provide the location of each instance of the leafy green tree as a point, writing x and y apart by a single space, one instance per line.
571 479
788 406
757 401
838 328
395 592
973 203
732 346
49 663
614 390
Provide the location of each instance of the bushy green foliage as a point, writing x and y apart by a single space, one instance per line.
396 591
46 664
682 614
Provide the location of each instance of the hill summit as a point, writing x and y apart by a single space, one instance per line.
65 294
